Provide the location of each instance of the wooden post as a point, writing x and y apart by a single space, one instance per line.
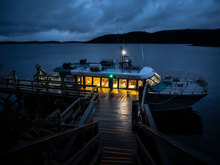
84 82
32 86
62 84
47 85
18 84
15 76
137 84
19 101
111 83
140 93
134 113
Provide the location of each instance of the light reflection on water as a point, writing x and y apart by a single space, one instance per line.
162 57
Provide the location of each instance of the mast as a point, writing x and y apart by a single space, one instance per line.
142 55
123 53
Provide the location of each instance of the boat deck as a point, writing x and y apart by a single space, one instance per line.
183 87
110 69
113 112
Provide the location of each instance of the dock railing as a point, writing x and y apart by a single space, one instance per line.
79 112
9 76
83 149
77 144
49 87
153 147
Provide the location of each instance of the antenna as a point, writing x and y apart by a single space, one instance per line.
122 58
142 51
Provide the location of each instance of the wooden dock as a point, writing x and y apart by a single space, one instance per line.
113 112
83 140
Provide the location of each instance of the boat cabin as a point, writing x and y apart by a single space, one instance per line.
111 74
108 74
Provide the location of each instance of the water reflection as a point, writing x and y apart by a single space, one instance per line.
184 122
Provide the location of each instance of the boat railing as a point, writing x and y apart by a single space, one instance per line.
181 75
182 83
180 89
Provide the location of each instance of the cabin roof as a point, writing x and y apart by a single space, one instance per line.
131 72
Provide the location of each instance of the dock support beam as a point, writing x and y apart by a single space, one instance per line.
110 83
134 114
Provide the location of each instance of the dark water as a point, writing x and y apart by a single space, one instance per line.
201 132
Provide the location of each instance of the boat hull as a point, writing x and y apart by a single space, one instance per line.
168 102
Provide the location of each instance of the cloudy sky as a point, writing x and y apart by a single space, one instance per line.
64 20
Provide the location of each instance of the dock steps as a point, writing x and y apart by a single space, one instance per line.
117 140
117 156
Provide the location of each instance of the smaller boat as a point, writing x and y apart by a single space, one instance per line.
175 91
167 92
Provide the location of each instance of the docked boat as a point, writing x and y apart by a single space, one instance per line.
167 92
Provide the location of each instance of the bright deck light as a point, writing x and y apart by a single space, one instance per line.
123 52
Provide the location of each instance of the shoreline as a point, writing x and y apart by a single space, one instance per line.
76 42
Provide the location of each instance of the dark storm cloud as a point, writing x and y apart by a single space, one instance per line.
35 16
84 19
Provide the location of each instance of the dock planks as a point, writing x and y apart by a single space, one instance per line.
113 112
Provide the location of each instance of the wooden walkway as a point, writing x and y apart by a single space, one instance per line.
113 112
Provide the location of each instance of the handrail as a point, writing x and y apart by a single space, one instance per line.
87 113
7 73
84 113
34 83
75 159
33 87
161 149
67 112
146 110
91 92
144 93
171 148
47 141
39 146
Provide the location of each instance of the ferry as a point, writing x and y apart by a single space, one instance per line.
167 92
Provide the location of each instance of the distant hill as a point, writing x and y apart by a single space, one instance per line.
195 37
189 36
37 42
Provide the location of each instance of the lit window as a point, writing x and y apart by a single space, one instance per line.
132 84
151 82
140 83
115 83
96 81
78 80
155 79
122 83
105 82
158 76
88 80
